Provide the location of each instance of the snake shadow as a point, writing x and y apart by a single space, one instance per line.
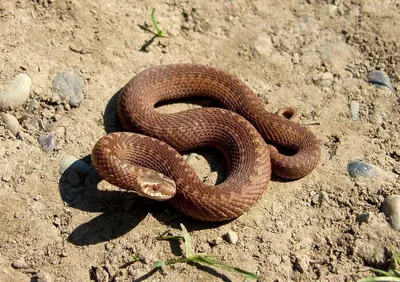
120 212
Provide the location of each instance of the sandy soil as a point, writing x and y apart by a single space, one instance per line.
75 228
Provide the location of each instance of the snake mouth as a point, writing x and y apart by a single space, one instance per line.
156 186
156 191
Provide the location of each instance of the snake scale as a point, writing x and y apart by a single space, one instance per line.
149 161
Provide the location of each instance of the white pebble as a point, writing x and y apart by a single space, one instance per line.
391 208
231 237
17 92
71 162
354 108
12 124
323 79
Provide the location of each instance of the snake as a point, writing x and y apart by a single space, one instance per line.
147 157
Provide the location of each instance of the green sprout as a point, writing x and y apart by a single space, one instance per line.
191 257
160 32
387 276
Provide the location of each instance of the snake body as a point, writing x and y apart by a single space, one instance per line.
149 160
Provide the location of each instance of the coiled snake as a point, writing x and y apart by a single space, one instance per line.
153 167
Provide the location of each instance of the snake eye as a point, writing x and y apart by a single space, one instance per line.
153 187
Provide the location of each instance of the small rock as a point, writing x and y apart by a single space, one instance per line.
7 176
69 85
46 113
33 105
323 79
231 237
13 125
331 10
211 178
56 221
379 77
32 124
17 92
101 274
354 108
263 46
68 162
215 242
364 217
47 142
302 263
391 208
203 248
43 276
359 168
320 198
20 264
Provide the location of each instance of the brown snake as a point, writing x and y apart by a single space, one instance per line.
156 170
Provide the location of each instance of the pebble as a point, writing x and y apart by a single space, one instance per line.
302 263
319 198
354 108
13 125
391 208
263 46
359 168
48 142
56 221
33 105
46 113
101 274
231 237
7 176
379 77
17 92
364 217
215 242
20 264
43 276
70 162
69 85
323 79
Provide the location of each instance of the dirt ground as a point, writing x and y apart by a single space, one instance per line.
313 55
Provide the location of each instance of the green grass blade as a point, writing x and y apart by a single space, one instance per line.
396 272
382 272
379 279
160 33
188 242
162 263
217 263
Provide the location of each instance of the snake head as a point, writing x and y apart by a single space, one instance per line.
155 186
